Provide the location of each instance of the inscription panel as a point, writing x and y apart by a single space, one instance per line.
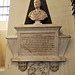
38 43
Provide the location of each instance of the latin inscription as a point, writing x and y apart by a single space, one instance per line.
38 43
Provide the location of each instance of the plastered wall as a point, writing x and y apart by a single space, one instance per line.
3 42
61 14
3 33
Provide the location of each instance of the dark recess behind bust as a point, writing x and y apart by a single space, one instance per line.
43 7
73 4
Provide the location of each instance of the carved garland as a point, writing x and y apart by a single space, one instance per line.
41 66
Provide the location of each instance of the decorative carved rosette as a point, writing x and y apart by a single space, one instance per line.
22 66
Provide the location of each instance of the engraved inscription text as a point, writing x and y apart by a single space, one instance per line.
38 43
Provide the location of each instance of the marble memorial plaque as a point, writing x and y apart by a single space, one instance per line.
38 43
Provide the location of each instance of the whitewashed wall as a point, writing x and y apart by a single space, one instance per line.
61 14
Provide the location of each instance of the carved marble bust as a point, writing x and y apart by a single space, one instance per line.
37 14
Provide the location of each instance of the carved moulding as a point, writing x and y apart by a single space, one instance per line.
38 43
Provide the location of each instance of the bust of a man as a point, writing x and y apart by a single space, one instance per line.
37 14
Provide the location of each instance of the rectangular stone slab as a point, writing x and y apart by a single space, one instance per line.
38 58
40 43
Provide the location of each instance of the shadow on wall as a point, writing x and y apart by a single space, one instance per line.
3 43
